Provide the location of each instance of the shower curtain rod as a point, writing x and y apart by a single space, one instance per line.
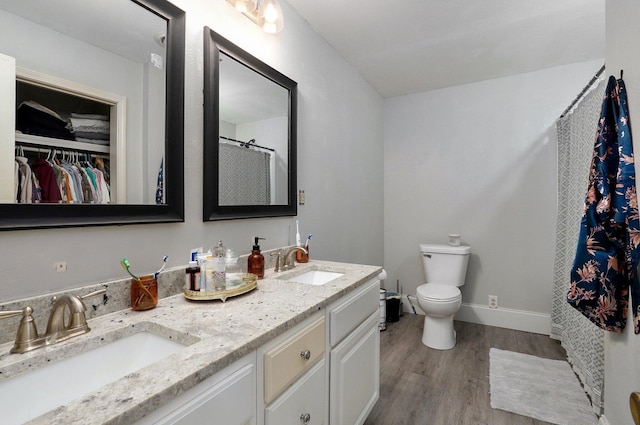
584 90
248 144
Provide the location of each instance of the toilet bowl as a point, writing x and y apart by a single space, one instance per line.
440 302
440 298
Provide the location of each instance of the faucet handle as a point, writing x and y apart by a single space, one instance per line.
278 255
27 332
83 297
11 313
93 294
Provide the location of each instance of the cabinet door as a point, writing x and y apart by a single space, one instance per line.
355 374
7 128
348 312
226 398
303 403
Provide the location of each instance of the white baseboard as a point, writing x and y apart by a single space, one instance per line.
520 320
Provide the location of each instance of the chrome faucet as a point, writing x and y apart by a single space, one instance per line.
287 257
284 258
58 329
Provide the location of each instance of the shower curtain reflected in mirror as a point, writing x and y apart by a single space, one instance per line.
244 175
583 341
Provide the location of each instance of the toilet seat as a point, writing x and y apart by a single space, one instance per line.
438 292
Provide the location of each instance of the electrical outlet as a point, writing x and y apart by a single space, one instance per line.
493 301
60 266
301 197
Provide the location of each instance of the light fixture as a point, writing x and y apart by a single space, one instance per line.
265 13
244 6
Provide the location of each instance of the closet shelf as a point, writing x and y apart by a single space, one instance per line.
47 143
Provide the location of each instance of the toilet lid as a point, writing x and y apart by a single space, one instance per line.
438 291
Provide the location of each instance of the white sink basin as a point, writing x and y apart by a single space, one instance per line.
315 277
33 393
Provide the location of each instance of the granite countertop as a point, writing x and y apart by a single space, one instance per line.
217 334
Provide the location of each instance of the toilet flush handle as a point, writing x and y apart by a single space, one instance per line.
426 255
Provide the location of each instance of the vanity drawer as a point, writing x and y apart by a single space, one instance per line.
304 401
347 314
287 361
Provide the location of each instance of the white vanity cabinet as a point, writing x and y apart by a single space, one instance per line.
228 397
323 371
354 358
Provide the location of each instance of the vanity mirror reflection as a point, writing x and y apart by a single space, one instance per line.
249 135
99 106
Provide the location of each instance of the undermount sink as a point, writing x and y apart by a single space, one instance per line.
33 393
315 277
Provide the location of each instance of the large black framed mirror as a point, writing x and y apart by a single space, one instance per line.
79 53
250 125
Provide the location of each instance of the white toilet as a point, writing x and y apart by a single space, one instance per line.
445 268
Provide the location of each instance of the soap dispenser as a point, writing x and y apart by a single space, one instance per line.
255 263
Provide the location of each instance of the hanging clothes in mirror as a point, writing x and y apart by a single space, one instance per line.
67 180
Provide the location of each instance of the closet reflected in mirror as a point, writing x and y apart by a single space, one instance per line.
94 133
250 135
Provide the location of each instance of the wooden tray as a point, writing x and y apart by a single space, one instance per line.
249 283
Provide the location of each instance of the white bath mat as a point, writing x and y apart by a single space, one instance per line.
539 388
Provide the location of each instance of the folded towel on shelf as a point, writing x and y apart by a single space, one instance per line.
33 118
83 124
35 105
90 116
91 135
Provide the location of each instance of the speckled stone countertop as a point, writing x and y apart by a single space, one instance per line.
217 334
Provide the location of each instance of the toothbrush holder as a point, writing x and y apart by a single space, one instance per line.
144 293
301 257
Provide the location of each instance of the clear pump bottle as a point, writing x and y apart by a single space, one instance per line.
219 272
233 269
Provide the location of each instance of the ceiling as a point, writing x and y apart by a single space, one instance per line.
119 26
409 46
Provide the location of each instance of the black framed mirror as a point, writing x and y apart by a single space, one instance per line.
149 117
250 125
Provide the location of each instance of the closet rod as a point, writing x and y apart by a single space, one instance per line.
584 90
247 144
48 150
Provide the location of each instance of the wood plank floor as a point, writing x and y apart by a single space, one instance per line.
422 386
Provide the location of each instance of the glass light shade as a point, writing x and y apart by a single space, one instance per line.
271 16
244 6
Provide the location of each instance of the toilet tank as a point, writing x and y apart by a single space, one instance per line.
445 264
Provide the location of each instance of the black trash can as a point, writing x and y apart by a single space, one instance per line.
393 307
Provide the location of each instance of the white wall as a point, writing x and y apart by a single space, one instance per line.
339 166
622 369
480 160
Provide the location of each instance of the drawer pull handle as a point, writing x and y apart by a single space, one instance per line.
306 354
305 418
